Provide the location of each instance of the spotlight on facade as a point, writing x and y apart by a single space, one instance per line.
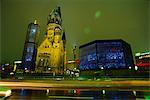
136 67
103 91
49 68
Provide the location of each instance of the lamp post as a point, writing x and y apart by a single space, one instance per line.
74 54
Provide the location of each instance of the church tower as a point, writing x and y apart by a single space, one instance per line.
30 47
50 53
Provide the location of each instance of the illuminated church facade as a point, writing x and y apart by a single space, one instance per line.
51 51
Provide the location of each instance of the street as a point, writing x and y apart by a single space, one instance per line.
72 84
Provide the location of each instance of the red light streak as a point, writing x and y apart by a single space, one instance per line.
143 64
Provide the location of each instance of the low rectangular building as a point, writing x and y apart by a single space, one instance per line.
105 55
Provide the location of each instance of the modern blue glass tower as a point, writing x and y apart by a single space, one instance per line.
30 47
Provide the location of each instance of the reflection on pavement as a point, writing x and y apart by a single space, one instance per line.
77 94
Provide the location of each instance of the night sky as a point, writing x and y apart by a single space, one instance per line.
83 21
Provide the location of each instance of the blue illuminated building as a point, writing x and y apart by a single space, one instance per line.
30 47
106 55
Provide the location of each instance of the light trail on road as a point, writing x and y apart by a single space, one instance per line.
136 85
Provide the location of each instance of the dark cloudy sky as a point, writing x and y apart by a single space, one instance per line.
83 20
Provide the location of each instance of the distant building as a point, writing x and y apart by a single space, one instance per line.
143 59
72 68
51 52
17 65
71 64
142 64
30 47
102 55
